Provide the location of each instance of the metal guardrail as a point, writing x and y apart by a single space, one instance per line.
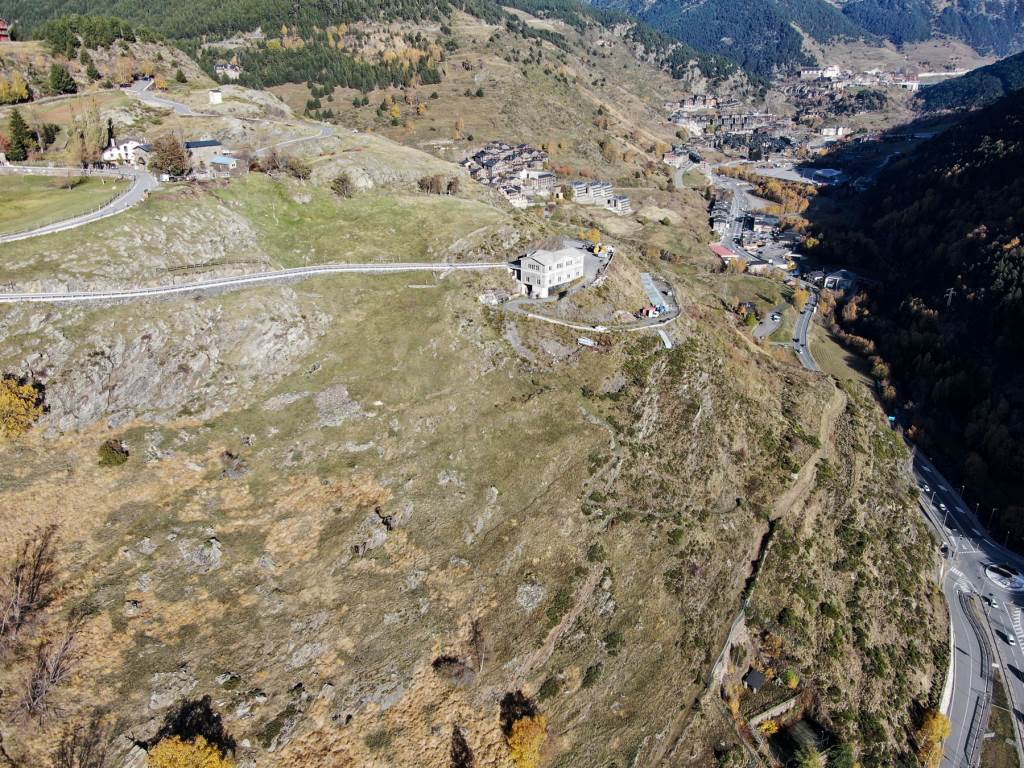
282 275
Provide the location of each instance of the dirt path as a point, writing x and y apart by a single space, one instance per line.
666 749
799 491
539 657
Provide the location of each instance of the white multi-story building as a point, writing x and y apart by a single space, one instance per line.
542 270
123 153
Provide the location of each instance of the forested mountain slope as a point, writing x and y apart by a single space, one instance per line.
331 44
764 36
943 230
977 88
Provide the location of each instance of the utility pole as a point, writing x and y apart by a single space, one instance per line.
949 297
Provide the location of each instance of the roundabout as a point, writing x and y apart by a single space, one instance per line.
1005 577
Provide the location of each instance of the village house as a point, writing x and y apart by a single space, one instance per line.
517 171
124 153
765 223
538 182
5 32
908 83
841 280
216 97
621 205
202 152
542 270
224 69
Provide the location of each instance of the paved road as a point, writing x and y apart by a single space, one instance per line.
239 281
142 89
975 648
143 183
802 331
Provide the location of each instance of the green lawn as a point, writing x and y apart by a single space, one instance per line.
762 291
309 225
27 202
836 360
999 750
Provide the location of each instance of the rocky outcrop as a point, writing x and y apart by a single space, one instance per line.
199 357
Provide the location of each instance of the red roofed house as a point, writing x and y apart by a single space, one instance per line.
5 34
720 250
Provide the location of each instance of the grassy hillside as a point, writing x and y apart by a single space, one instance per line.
358 512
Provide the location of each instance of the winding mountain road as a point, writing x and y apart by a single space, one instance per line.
227 283
144 181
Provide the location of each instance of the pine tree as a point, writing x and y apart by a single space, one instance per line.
179 76
60 80
21 139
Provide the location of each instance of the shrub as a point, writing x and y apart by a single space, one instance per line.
379 739
342 185
461 754
592 675
20 407
28 586
561 603
297 169
173 752
790 679
613 642
179 76
549 688
113 453
596 553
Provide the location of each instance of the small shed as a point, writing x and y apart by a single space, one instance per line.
754 680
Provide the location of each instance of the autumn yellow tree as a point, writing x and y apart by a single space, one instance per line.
175 753
460 125
20 407
769 727
526 740
148 68
935 727
800 298
124 70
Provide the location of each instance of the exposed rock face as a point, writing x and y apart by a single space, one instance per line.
201 358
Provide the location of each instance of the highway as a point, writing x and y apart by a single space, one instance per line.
238 281
979 647
143 183
803 329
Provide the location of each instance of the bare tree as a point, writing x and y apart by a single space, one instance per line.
53 663
84 746
28 585
477 644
